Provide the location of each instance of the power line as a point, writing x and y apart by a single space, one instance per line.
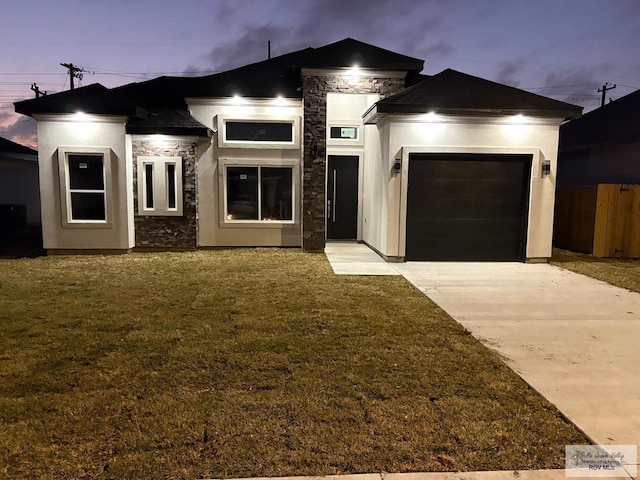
604 91
74 72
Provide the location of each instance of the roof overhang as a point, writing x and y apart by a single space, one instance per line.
170 131
93 100
377 112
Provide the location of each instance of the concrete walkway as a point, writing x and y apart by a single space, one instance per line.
574 339
350 258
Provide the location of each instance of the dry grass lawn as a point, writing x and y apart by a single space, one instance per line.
248 362
621 272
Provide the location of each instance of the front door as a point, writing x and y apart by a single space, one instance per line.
342 197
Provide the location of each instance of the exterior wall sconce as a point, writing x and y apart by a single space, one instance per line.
546 168
396 168
316 151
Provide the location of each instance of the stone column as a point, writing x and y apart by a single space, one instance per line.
314 90
168 232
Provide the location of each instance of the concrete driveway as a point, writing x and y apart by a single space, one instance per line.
575 339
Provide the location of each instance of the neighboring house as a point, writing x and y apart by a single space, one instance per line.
603 146
19 191
345 141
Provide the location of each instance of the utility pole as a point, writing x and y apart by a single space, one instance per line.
74 72
37 90
604 91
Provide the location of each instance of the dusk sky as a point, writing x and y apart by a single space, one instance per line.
565 49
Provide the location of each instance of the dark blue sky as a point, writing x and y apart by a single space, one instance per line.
561 48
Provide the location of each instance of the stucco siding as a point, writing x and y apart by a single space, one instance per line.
93 132
212 230
535 137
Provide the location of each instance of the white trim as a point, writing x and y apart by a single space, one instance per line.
160 186
483 119
406 151
223 163
65 190
246 101
452 118
83 118
222 119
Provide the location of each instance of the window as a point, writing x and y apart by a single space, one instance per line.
160 186
259 131
259 193
86 187
344 132
85 182
281 132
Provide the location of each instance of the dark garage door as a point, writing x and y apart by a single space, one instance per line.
467 207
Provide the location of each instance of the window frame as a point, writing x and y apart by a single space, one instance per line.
65 187
221 120
160 186
225 163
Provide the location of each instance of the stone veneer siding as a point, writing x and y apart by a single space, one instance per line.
179 232
315 89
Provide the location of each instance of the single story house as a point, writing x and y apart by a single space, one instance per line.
19 191
603 146
345 141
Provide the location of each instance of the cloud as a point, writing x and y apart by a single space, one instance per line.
406 23
250 47
510 71
18 128
576 85
441 48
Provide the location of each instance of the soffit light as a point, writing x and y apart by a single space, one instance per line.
429 117
517 119
238 100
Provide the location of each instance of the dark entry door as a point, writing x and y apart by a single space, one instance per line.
342 197
464 207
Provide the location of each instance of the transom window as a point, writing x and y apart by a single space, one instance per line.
344 133
259 193
277 132
85 182
160 186
350 133
259 131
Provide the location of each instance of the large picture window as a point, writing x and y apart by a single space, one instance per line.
84 186
160 186
259 193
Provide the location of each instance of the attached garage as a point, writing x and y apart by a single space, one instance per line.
467 207
467 172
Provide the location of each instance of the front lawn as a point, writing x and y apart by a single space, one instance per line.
248 362
621 272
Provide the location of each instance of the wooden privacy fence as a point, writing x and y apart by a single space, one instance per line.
603 220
